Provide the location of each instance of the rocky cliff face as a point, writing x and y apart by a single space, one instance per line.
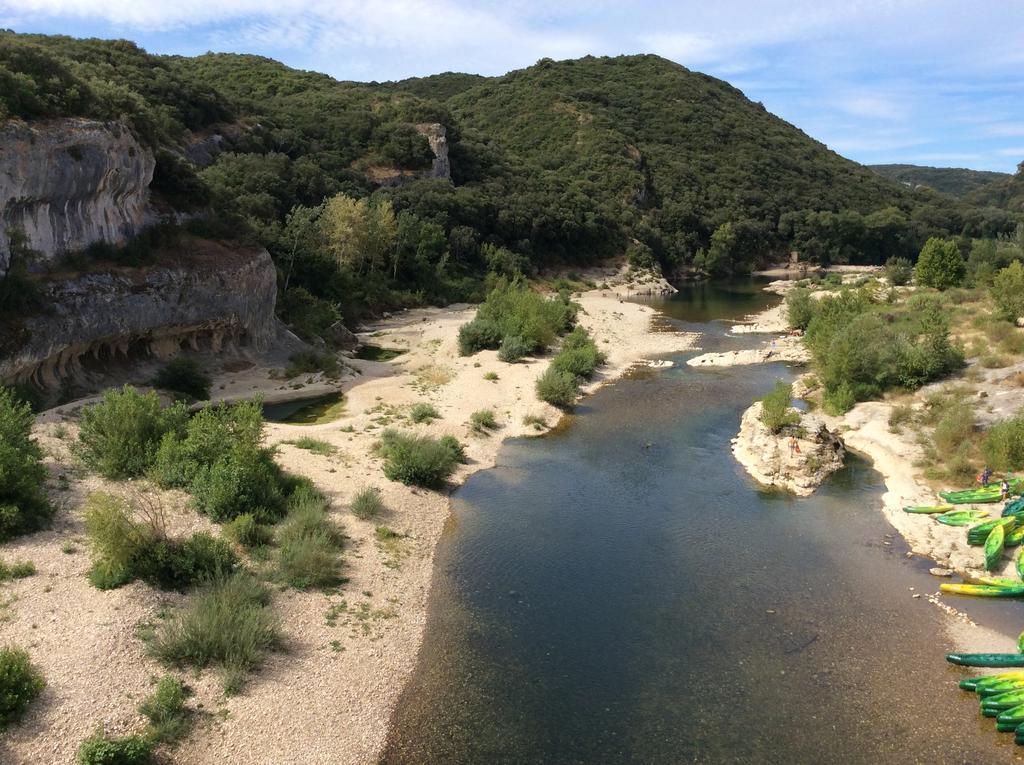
211 299
440 169
67 183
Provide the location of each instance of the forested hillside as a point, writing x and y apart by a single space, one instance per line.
955 181
561 163
1006 193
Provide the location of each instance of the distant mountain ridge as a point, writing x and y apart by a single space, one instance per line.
956 181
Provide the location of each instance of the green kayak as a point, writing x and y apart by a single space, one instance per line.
1015 536
986 659
1005 700
984 682
984 591
961 517
1001 687
977 535
927 509
994 548
981 494
1013 506
1006 727
997 581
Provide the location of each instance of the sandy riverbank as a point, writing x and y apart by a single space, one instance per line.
329 696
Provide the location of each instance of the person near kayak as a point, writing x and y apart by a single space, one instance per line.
984 476
1004 489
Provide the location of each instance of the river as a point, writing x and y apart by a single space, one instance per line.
620 591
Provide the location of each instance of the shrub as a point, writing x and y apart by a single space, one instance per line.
513 309
940 264
246 531
1003 445
491 376
99 749
314 445
1008 291
19 570
183 375
898 271
954 427
23 503
119 437
227 624
799 308
416 460
169 719
478 335
558 388
483 420
579 362
775 408
245 480
125 548
308 543
455 449
20 684
423 413
513 348
367 503
899 416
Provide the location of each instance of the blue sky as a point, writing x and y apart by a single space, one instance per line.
937 82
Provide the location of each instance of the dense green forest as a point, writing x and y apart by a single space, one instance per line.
1007 193
562 163
955 181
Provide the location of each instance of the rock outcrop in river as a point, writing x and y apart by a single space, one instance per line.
798 458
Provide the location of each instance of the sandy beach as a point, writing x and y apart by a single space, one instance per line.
329 695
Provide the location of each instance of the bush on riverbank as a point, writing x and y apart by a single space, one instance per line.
1003 445
799 308
309 543
131 543
861 349
512 311
100 749
165 709
367 503
20 684
219 459
418 460
119 437
23 503
228 624
577 360
1008 291
775 407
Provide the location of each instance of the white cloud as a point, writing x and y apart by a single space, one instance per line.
1011 151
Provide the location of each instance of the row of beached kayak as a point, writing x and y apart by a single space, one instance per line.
1001 696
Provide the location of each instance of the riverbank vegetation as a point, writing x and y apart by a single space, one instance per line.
24 506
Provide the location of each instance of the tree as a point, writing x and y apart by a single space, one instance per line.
940 264
344 226
1008 291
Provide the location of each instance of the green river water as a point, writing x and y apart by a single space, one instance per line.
621 592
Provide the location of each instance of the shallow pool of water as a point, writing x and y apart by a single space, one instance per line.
306 411
621 592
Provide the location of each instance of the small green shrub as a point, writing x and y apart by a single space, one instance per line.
308 543
491 376
183 375
513 348
314 445
125 548
478 335
20 684
100 749
899 416
898 271
119 437
579 362
423 413
23 503
558 388
246 531
954 427
455 449
169 719
416 460
482 420
535 420
227 624
367 503
18 570
1003 445
775 408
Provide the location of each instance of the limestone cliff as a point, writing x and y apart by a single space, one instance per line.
206 298
70 182
440 168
